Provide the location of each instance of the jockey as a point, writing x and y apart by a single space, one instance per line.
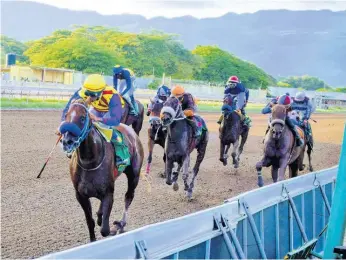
106 104
287 102
303 104
188 105
127 78
162 94
235 88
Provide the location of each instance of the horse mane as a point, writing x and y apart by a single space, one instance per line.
278 111
79 101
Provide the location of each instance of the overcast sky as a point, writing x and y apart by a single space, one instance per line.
197 8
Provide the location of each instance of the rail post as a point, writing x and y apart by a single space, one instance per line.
337 219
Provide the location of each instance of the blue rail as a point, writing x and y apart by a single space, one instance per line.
263 223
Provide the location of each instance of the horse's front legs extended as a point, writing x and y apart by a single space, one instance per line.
106 204
86 206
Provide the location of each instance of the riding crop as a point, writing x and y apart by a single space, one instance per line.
50 155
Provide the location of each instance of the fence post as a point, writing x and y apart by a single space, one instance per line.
337 219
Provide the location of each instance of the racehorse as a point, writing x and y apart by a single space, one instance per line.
92 166
230 131
135 121
156 135
180 142
294 115
280 148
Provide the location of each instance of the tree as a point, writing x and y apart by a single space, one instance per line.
9 45
306 82
218 65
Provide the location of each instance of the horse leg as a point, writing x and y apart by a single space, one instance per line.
107 204
244 137
311 169
186 165
99 215
293 168
201 149
150 156
168 171
175 177
86 206
235 154
132 182
283 165
274 171
265 162
223 153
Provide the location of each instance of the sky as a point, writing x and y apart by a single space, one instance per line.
196 8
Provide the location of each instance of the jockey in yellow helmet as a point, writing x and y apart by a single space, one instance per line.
106 104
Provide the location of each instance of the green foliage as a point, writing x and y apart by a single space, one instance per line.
306 82
154 84
9 45
218 65
98 49
283 84
343 90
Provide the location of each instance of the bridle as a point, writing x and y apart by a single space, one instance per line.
176 114
84 133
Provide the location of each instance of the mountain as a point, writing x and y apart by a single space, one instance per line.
282 42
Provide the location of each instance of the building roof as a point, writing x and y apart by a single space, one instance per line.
54 69
278 91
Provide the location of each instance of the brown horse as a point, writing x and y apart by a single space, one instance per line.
92 166
180 142
135 121
230 132
156 135
280 149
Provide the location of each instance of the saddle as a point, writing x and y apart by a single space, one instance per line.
121 151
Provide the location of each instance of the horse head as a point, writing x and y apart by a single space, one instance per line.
76 126
155 109
171 111
277 124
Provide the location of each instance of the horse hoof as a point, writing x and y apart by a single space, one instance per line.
175 186
260 183
105 233
189 195
311 169
169 182
236 165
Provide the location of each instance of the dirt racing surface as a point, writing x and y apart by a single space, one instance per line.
40 216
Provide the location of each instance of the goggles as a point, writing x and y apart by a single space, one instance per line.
89 93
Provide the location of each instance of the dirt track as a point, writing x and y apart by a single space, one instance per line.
40 216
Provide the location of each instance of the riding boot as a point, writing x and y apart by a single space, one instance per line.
246 120
220 119
134 105
299 141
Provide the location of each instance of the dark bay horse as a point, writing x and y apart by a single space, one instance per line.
230 131
180 142
156 135
135 121
92 166
280 149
